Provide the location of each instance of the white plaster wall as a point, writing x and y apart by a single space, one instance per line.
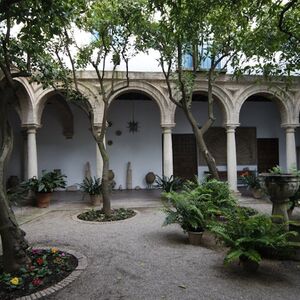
143 148
15 164
70 155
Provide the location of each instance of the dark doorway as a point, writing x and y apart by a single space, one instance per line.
267 154
185 156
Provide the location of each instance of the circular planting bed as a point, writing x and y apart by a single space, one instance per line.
99 216
48 267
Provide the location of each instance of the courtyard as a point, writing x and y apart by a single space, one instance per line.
139 259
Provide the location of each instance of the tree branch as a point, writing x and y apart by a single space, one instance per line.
281 26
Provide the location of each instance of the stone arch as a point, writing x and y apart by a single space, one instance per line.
274 94
25 108
221 97
296 107
149 90
45 94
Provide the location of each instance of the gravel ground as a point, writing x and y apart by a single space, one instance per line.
140 259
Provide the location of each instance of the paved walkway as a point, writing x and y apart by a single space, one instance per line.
140 259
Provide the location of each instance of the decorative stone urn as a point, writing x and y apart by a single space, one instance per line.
280 187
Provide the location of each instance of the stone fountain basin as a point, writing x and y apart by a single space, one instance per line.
279 186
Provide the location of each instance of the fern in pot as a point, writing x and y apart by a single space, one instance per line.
248 237
93 187
190 213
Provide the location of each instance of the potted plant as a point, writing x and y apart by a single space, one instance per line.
45 186
168 184
248 236
93 187
253 184
280 186
191 213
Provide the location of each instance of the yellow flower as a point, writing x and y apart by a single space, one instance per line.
54 250
15 281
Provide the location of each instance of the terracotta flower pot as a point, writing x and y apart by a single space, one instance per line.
195 238
256 193
96 199
43 200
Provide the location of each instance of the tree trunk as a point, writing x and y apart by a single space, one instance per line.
105 180
14 244
210 161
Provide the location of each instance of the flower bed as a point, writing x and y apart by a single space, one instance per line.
99 216
46 269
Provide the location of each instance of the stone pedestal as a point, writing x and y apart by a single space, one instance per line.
280 187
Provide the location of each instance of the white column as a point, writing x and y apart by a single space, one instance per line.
32 165
231 157
291 156
167 152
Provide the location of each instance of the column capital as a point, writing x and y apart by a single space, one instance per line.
231 126
31 128
289 126
167 125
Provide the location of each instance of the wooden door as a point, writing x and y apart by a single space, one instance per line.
184 156
267 154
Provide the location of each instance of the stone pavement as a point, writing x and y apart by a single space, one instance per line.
140 259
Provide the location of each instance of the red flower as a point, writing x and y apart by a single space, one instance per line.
36 282
39 261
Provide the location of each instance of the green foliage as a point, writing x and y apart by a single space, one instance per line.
47 183
251 180
99 216
91 186
16 194
216 191
276 170
169 184
247 236
190 213
198 204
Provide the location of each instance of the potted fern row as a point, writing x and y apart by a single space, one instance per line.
93 187
45 186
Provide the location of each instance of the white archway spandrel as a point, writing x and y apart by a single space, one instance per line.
280 97
150 90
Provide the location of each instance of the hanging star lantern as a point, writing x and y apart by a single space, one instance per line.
133 126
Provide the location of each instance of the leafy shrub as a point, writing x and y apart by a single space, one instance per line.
215 191
169 184
47 183
187 211
247 236
250 180
92 186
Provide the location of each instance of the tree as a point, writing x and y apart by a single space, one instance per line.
111 25
206 30
26 28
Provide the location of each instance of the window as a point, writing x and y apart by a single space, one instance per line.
205 60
